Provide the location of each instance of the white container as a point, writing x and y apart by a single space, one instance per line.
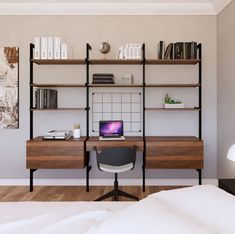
37 47
172 106
43 47
50 43
76 133
126 51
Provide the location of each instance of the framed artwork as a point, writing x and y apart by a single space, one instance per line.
9 87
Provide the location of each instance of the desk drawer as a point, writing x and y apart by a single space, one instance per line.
55 154
174 154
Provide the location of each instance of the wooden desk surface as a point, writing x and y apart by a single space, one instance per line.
130 141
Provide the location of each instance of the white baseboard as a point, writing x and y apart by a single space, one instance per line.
105 182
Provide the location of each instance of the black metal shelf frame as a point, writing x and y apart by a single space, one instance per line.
143 63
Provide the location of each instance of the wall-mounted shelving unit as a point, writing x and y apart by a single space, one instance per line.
158 151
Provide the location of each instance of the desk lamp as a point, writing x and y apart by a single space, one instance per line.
231 153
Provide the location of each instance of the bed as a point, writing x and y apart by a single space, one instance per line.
203 209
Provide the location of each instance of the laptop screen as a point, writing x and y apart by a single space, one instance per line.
111 128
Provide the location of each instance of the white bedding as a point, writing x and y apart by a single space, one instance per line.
202 209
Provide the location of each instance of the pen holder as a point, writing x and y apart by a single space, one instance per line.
76 133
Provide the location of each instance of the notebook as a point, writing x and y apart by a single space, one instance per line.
111 130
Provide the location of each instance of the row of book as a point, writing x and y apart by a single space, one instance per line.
45 99
178 50
50 48
103 78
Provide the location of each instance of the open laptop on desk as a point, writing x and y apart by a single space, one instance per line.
111 130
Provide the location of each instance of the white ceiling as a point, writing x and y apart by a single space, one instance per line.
112 7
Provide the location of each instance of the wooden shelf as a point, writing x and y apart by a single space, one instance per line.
173 109
59 109
58 61
172 85
172 61
58 85
115 85
116 61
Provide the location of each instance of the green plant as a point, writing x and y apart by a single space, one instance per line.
169 100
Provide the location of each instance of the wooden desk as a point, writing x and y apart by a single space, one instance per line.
54 154
129 142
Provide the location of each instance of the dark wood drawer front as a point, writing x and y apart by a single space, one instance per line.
174 154
55 154
54 148
55 162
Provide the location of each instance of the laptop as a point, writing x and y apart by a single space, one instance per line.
111 130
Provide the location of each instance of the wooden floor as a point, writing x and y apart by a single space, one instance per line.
70 193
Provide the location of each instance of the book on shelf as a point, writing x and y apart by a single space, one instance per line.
57 134
160 50
45 99
178 50
190 50
169 52
103 78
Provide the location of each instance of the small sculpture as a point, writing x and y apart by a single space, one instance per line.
104 47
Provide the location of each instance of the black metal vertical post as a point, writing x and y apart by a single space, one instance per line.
200 104
31 171
88 167
144 151
199 176
31 90
200 92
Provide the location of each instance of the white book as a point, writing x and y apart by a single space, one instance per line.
43 47
57 43
50 51
37 43
64 51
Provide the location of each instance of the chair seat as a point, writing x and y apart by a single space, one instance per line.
116 169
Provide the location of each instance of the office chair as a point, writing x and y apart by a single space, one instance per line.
116 160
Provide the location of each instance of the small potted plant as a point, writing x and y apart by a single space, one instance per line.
171 103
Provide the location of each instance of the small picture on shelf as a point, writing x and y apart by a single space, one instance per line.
171 103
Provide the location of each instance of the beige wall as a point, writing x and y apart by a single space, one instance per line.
78 30
226 90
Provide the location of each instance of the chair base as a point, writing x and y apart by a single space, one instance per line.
115 194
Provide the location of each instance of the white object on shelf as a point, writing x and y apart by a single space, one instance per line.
37 49
127 79
57 43
43 47
50 45
172 106
76 133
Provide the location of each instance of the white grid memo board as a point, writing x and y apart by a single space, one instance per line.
117 106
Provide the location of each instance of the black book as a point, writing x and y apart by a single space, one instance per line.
103 75
169 52
51 102
190 50
161 50
102 78
103 82
178 50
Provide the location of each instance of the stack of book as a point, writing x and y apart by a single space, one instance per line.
103 78
46 99
57 134
178 50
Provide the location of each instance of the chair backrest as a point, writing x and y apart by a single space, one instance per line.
116 156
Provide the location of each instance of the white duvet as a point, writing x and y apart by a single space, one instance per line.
202 209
